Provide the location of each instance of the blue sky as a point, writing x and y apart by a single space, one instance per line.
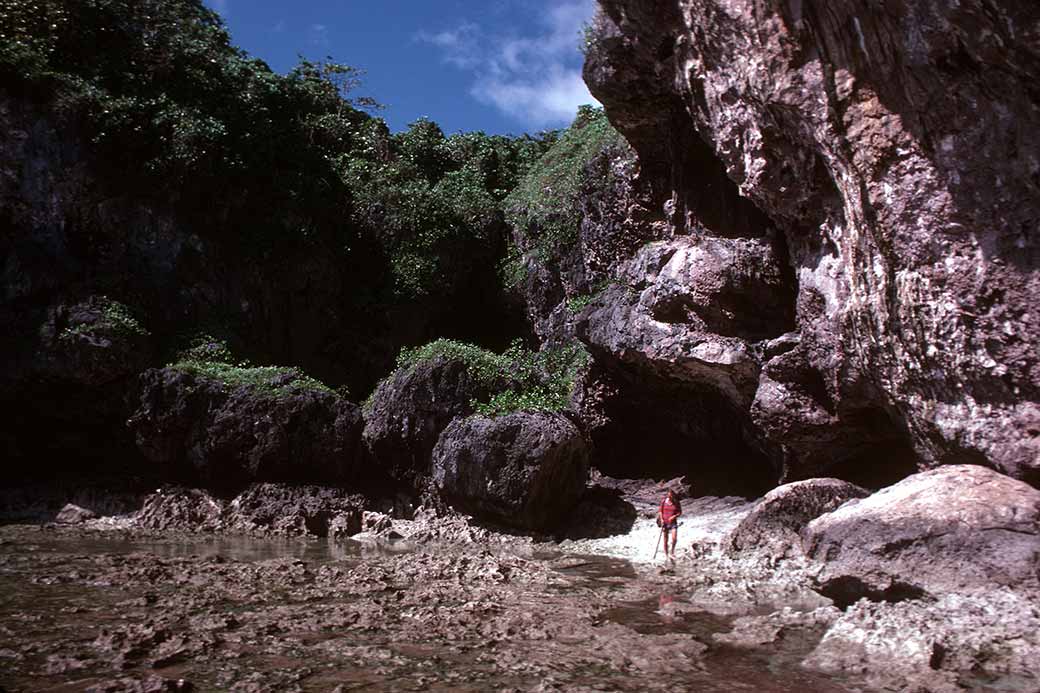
502 66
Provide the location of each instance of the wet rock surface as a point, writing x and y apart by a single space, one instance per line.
126 619
951 528
522 469
437 602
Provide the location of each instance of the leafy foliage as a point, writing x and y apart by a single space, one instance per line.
435 204
545 207
115 317
175 110
211 358
520 379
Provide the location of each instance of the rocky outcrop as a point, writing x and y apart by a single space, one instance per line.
295 510
223 435
689 310
261 509
74 515
525 469
948 644
892 152
409 410
939 531
774 524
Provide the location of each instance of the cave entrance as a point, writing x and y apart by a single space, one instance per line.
652 429
878 450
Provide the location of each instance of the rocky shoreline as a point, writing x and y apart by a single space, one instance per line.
172 598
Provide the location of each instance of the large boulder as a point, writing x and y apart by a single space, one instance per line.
280 426
409 410
776 520
525 469
688 309
951 528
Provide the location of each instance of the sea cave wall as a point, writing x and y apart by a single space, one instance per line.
836 206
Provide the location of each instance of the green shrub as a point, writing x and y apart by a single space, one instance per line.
211 358
545 207
275 380
115 318
519 379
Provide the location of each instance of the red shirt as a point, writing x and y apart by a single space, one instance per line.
669 510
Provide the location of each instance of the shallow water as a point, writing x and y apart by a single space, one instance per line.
233 613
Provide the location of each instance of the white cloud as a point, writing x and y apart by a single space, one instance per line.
551 99
318 35
461 45
533 78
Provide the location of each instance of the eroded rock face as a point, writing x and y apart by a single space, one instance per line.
951 528
295 510
774 524
895 152
928 645
525 469
687 309
227 436
261 509
411 408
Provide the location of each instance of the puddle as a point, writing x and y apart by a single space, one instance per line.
666 614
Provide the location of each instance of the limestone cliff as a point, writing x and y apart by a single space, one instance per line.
848 248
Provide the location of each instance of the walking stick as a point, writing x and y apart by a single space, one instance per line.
659 535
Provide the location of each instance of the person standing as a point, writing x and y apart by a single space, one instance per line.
668 517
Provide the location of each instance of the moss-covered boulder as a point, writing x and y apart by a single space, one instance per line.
224 426
409 410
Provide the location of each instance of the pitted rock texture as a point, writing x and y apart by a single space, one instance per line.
410 409
90 343
923 645
224 436
525 469
894 149
776 520
618 215
261 509
952 528
687 310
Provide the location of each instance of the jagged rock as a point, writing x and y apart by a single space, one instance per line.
935 532
180 509
862 135
686 308
525 469
295 510
617 217
344 525
91 343
227 436
410 409
376 523
265 509
776 520
74 515
927 646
